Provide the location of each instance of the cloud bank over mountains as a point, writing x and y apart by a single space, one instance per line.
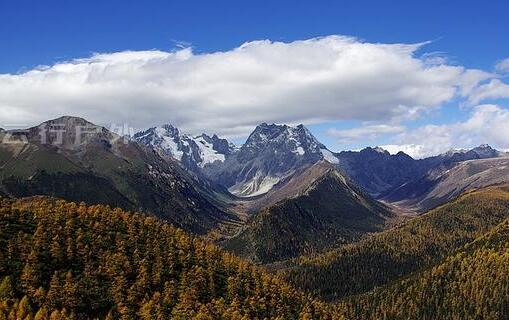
486 123
309 81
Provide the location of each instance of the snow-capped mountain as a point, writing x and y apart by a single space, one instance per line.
274 138
271 153
76 160
194 152
484 151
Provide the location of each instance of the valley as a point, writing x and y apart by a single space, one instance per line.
254 160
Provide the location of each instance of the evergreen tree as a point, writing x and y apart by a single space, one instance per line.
6 289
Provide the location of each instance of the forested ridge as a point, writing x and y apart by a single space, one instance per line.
331 211
389 255
471 284
62 260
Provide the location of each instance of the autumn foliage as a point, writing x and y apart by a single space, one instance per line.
62 260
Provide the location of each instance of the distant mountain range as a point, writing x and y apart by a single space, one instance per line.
379 172
367 228
273 153
444 183
281 176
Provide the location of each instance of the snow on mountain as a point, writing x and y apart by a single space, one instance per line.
271 153
193 151
283 139
256 186
207 152
299 150
380 150
484 151
329 156
170 143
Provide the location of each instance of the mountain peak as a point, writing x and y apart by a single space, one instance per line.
455 150
193 151
486 151
271 153
264 131
403 155
281 138
380 149
484 146
68 122
68 132
374 151
171 130
69 118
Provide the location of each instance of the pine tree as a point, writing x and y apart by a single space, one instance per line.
7 289
29 278
42 314
56 315
54 295
70 299
24 308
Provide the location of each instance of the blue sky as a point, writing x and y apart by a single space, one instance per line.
42 32
469 34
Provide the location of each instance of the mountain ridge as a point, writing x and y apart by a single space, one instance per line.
317 209
193 152
270 154
386 256
72 158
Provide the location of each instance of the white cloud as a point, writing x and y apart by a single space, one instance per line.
368 132
414 150
503 66
495 89
486 124
309 81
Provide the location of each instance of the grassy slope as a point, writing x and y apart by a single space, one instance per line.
24 161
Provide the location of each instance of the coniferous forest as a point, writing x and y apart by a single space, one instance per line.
64 260
387 256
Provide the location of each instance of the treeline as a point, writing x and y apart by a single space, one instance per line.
390 255
471 284
62 260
